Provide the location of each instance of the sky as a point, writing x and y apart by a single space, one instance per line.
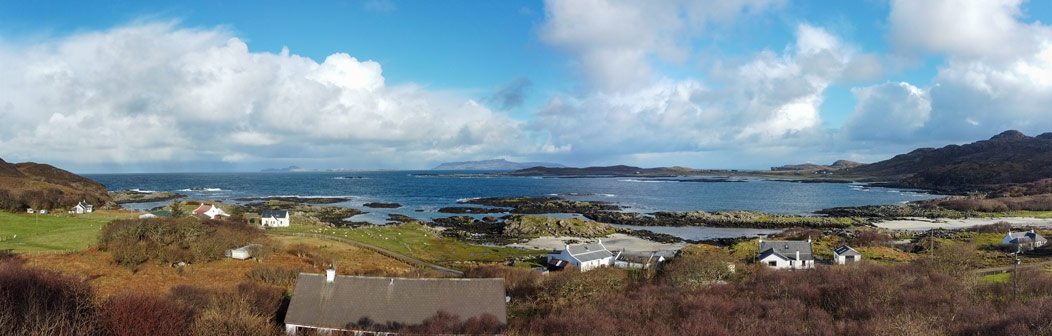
200 86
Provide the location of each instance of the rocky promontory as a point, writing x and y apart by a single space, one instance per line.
137 196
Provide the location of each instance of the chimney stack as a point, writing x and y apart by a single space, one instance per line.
330 274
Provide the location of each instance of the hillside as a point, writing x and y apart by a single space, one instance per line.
36 185
495 164
1009 157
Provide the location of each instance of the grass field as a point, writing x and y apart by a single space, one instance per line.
418 241
109 279
54 232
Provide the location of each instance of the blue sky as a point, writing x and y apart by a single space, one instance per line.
135 86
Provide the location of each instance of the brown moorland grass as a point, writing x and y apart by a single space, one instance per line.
111 279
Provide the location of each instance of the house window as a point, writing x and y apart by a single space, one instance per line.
773 263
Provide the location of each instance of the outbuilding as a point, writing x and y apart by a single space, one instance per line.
846 255
243 252
275 218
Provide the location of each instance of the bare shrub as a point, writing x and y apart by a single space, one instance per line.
274 275
870 238
143 314
36 301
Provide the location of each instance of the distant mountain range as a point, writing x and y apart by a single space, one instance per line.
288 169
495 164
1009 157
808 167
41 186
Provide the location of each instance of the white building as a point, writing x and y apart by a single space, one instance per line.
1024 240
274 218
209 210
82 207
846 255
585 256
786 254
243 252
30 210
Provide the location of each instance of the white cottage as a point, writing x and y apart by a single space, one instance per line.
585 256
786 254
82 207
31 211
274 218
209 210
846 255
1024 240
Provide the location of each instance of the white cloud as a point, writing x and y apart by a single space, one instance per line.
888 112
154 92
613 41
771 101
997 74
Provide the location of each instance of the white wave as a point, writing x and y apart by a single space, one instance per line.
142 191
203 189
462 200
647 181
607 195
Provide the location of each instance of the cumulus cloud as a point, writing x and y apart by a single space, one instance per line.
997 74
770 101
888 112
155 92
613 41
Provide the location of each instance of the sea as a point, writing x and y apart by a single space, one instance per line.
422 193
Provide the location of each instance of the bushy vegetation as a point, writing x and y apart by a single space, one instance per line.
170 240
1003 204
274 275
36 301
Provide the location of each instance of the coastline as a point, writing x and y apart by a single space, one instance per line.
923 224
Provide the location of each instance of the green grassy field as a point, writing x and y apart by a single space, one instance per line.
417 241
53 232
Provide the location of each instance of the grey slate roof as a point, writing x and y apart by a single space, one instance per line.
846 251
589 252
1034 237
350 300
786 249
275 213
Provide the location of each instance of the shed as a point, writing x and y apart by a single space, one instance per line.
846 255
243 252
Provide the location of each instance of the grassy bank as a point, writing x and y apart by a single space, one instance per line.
417 241
53 232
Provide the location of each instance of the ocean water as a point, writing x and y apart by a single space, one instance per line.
422 196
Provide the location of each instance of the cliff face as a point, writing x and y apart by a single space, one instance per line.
1009 157
36 185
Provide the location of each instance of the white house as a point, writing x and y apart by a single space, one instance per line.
243 252
638 260
585 256
1025 240
786 254
846 255
274 218
209 210
43 211
82 207
30 210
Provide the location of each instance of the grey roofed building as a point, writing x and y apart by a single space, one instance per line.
589 252
358 302
845 250
275 213
786 249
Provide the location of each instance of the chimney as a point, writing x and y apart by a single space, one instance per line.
798 256
808 239
330 274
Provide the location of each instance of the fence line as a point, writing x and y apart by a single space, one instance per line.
377 249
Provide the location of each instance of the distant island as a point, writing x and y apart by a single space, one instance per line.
495 164
287 169
810 167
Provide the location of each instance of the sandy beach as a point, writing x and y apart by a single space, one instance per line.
612 242
921 224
